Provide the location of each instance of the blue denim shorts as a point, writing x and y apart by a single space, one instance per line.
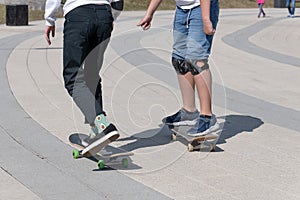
190 41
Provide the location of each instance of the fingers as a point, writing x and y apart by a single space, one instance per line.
210 31
47 33
49 30
145 23
208 28
146 26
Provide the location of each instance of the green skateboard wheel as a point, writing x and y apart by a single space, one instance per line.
75 153
100 164
124 162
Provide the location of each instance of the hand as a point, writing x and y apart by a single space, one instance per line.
145 23
48 30
208 28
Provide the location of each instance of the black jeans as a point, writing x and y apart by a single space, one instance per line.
87 30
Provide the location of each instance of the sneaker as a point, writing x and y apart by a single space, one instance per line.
102 131
182 118
204 126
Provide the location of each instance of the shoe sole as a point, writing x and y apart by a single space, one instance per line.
97 145
183 123
212 129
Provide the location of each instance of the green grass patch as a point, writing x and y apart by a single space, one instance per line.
2 15
170 4
143 4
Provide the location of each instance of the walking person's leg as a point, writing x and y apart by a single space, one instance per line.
259 10
261 5
262 9
293 7
288 5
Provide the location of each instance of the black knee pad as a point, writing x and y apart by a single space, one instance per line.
180 66
194 68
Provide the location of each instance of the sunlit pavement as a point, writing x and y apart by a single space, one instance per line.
255 66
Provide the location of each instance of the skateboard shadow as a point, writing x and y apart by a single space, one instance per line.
232 125
237 124
147 138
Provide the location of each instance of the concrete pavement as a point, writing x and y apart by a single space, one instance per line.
255 66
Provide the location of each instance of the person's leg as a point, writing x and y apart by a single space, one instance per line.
199 46
98 42
259 10
197 55
293 6
76 49
188 113
187 88
82 64
288 5
203 82
185 78
262 10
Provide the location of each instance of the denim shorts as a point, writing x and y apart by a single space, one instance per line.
190 41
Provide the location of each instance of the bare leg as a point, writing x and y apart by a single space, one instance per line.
187 88
203 82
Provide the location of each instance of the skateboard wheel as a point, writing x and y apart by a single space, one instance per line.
76 153
174 136
212 147
100 164
190 147
124 162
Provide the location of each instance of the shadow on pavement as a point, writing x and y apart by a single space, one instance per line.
236 124
147 138
232 125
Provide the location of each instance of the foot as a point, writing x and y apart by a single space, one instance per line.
101 131
182 118
204 126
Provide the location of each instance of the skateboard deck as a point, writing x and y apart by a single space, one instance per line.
103 154
195 143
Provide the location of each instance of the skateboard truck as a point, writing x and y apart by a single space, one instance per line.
193 143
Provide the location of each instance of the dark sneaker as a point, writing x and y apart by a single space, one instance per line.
109 134
182 118
102 131
204 126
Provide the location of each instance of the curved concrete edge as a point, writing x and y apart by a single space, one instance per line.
43 163
20 191
257 183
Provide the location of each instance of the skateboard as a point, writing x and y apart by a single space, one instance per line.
104 154
195 143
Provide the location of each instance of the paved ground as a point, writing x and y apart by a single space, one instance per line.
255 65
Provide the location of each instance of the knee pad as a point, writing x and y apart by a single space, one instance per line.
180 66
194 68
